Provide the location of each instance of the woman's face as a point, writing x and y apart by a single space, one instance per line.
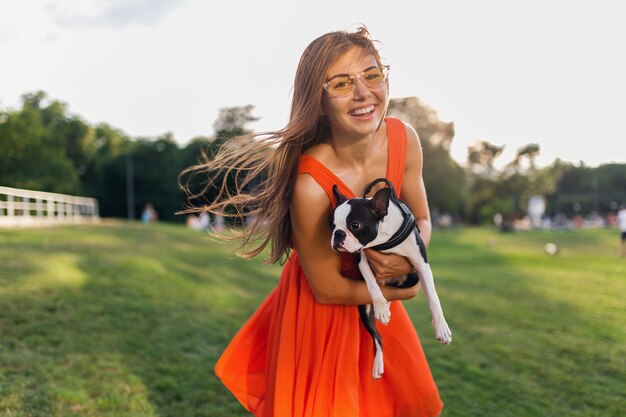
360 111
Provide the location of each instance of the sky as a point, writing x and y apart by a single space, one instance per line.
511 72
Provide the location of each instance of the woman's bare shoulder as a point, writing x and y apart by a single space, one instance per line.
308 191
412 136
323 152
413 148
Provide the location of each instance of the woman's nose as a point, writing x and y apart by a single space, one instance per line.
360 89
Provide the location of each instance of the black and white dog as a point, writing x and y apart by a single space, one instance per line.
385 223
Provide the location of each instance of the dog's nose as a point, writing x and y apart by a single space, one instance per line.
340 234
338 238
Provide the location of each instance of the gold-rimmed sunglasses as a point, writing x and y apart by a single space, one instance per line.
343 84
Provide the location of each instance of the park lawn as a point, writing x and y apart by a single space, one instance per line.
128 320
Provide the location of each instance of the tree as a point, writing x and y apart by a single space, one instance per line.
156 164
44 147
31 156
61 130
529 153
582 189
232 121
443 177
105 174
481 157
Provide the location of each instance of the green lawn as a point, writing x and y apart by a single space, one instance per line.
128 320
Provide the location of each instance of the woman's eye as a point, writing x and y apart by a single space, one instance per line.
341 84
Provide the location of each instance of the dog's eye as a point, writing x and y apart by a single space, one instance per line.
355 225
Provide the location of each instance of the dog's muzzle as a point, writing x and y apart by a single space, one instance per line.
338 238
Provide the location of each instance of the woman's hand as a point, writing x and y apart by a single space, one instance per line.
387 265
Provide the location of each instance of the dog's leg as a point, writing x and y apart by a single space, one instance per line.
442 331
367 317
381 305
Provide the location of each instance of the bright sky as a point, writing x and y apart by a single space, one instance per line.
513 72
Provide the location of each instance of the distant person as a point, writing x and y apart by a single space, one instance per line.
497 220
218 225
192 221
621 221
201 222
305 352
204 221
149 214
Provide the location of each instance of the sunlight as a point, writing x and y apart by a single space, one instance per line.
54 271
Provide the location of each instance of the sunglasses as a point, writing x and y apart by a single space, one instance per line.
343 84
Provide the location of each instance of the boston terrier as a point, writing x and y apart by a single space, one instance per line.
385 223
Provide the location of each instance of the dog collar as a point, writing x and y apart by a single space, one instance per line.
409 224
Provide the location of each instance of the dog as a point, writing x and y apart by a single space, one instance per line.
385 223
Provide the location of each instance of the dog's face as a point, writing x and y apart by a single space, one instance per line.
355 221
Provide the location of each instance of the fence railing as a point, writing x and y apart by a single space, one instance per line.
33 208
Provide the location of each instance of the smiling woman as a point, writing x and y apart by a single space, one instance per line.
356 73
305 352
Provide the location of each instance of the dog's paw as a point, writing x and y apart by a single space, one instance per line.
442 331
382 313
379 366
378 372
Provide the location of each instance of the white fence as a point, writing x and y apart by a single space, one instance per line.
36 208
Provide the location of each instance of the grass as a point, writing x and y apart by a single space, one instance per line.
535 335
129 319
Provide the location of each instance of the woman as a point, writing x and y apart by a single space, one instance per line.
304 352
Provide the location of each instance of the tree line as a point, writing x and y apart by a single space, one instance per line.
44 147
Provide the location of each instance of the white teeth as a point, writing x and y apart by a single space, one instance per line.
359 112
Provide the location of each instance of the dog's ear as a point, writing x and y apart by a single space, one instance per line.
380 202
338 196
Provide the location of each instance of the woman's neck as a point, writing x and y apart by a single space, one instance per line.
354 150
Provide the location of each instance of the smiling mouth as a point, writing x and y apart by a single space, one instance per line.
362 112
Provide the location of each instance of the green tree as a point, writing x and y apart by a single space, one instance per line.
598 189
31 156
62 130
156 165
105 175
443 177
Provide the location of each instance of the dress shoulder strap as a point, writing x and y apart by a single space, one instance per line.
396 138
323 176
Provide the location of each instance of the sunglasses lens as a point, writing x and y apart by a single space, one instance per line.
339 86
374 77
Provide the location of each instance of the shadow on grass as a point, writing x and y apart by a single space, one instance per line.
139 336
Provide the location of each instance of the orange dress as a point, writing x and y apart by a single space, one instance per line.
297 358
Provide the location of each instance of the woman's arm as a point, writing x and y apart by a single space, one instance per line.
310 211
413 189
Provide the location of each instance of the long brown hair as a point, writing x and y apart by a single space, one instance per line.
272 157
